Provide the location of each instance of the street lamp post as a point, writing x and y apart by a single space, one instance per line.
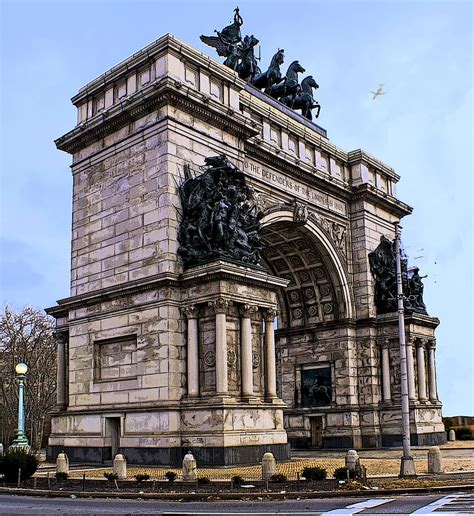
21 439
407 466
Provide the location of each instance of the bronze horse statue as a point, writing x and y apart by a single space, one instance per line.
303 99
289 85
272 75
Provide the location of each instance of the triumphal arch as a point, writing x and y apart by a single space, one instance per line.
232 287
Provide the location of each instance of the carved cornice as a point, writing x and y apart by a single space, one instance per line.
166 91
107 294
369 193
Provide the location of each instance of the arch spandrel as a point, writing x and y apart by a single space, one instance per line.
303 253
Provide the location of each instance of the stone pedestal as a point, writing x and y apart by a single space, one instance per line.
120 467
189 468
237 417
62 463
435 461
268 466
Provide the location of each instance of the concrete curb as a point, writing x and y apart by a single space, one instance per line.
233 496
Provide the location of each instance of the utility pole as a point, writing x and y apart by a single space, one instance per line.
407 466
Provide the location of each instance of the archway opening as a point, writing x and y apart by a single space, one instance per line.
313 295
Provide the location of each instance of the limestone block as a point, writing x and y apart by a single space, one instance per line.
435 460
120 466
268 466
189 468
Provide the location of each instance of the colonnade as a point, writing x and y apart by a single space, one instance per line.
220 307
425 377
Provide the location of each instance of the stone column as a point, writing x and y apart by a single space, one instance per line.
61 372
220 306
410 369
420 362
433 394
191 313
270 359
386 392
246 312
299 394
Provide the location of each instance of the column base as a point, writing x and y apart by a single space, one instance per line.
274 400
20 441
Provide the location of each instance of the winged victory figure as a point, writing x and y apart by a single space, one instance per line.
227 39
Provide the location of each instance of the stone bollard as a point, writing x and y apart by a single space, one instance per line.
189 468
1 450
120 466
451 435
62 463
352 460
435 461
268 466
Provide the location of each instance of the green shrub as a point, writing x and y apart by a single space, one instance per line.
203 481
279 478
237 480
61 475
341 474
16 458
315 473
464 433
111 476
170 476
142 477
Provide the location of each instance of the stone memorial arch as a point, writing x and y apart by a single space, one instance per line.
168 345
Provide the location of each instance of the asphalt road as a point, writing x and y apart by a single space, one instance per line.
455 503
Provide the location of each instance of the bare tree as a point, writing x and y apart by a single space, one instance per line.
27 336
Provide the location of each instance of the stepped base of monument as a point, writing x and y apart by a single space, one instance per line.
211 456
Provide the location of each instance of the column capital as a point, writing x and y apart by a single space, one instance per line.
269 314
431 343
61 335
220 305
247 310
190 311
385 343
410 341
420 343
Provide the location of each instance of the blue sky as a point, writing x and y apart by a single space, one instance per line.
422 127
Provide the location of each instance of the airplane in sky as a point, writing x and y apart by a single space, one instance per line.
378 92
